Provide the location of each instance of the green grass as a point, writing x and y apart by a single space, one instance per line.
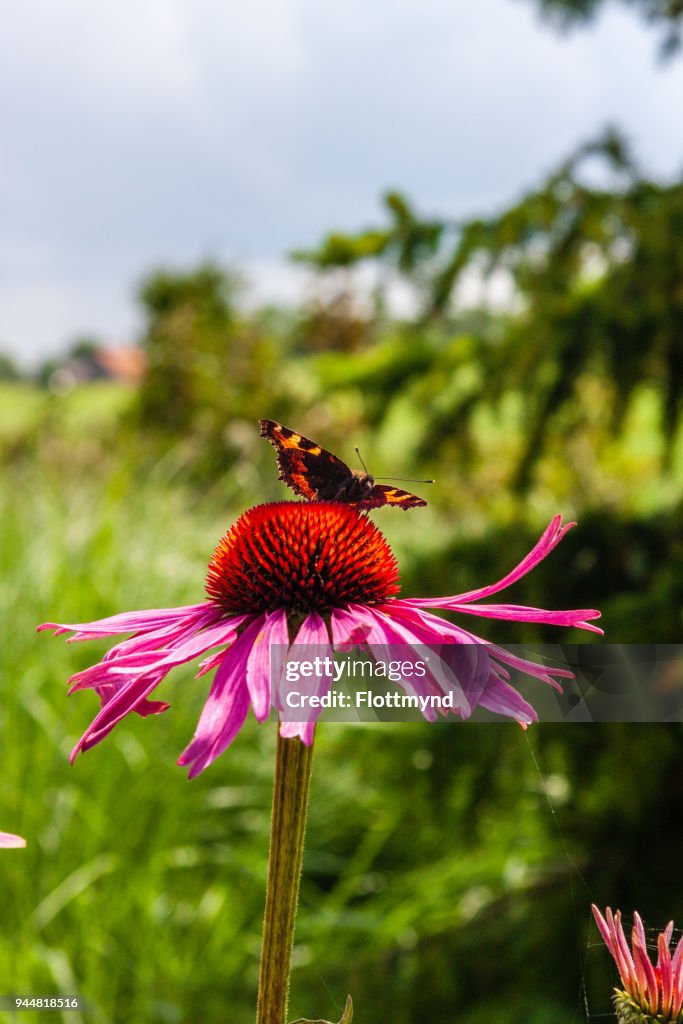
127 878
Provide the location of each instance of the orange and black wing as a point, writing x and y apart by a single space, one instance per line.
382 494
305 466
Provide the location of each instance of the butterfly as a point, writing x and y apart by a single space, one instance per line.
314 473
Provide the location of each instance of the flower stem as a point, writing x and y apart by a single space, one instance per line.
287 828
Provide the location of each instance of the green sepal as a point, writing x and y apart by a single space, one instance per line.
346 1017
628 1012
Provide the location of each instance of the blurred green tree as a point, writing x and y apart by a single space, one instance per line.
188 340
401 250
209 364
8 368
593 259
599 272
666 14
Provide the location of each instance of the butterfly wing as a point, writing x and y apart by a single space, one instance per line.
382 494
305 466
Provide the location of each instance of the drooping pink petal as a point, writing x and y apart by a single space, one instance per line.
503 699
273 630
8 841
408 632
128 680
170 635
551 537
549 674
312 633
126 699
144 708
116 672
354 625
522 613
130 622
427 629
225 709
137 662
372 629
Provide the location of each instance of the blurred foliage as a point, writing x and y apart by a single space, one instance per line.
600 272
665 14
334 323
406 243
8 368
191 333
597 275
405 247
207 363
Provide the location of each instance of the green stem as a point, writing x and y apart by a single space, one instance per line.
287 828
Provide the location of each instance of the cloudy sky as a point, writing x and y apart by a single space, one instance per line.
165 131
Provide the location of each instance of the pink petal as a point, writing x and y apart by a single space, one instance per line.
604 929
647 980
271 631
145 662
551 537
166 637
128 697
115 673
130 679
8 841
665 972
547 674
313 633
305 731
522 613
130 622
460 635
503 699
225 709
677 967
356 625
411 610
407 631
621 952
360 625
145 708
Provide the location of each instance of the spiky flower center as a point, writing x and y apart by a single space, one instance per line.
301 556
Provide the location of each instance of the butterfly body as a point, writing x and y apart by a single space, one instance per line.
318 475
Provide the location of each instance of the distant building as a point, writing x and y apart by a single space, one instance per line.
124 363
121 362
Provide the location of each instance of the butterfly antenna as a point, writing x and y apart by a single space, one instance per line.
405 479
402 479
361 461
